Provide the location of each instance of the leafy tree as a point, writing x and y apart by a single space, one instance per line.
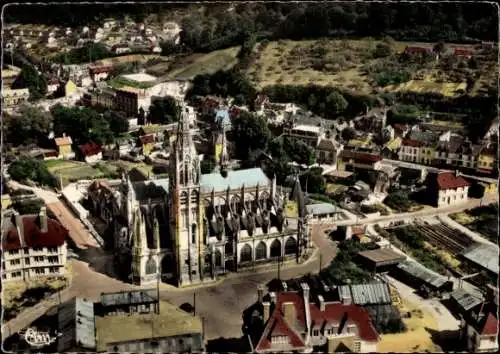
164 111
313 181
82 124
88 53
382 50
30 127
249 133
29 169
31 79
118 122
207 165
398 201
299 152
348 134
336 102
439 47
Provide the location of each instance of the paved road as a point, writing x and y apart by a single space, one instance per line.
427 211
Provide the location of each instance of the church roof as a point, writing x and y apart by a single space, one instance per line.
234 180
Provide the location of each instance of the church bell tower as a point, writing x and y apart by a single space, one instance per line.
186 211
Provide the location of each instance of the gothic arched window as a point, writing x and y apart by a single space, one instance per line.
246 254
261 251
290 246
276 248
218 258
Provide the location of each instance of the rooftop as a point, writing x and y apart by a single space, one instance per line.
308 128
465 300
171 321
234 180
129 297
483 255
366 294
447 180
382 256
321 209
422 273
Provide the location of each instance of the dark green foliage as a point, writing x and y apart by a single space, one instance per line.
348 134
86 124
487 221
164 110
392 77
403 114
293 151
27 168
343 266
31 126
118 122
31 206
225 84
327 102
250 133
313 181
30 78
207 165
88 53
399 201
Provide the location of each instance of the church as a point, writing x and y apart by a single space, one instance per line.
190 227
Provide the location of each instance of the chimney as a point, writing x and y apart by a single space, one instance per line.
18 221
305 290
260 294
267 310
284 285
288 309
321 303
44 227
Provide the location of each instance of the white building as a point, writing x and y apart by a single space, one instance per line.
33 246
448 189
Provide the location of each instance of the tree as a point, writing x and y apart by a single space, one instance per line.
336 102
164 110
313 181
28 169
439 47
249 133
118 122
32 126
207 165
348 134
31 206
82 124
31 79
298 151
398 201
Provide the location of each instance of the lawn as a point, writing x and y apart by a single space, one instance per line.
141 166
119 82
198 64
447 88
70 171
417 338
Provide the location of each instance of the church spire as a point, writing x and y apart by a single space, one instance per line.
224 156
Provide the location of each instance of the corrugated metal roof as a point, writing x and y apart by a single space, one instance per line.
320 209
483 255
465 300
234 180
420 272
366 294
129 297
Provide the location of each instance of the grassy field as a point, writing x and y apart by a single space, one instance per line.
125 59
341 63
70 171
121 81
197 64
141 166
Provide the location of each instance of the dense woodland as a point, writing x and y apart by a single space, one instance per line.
215 27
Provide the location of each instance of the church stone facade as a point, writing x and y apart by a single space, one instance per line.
190 227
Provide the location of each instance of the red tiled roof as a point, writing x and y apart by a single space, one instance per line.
51 154
360 156
462 52
490 325
90 149
100 69
334 313
33 236
411 142
448 180
147 139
